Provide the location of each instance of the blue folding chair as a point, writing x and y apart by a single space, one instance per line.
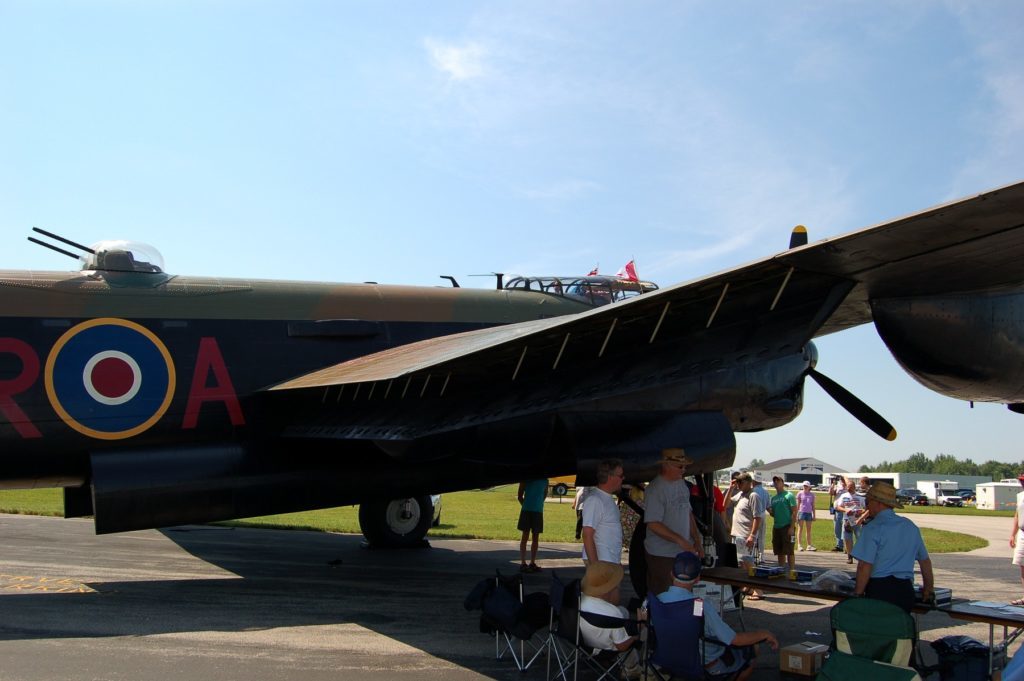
676 641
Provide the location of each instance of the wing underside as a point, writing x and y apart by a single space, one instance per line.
767 308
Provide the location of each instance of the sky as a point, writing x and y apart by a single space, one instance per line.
399 141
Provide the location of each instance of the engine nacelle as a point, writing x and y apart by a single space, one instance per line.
969 346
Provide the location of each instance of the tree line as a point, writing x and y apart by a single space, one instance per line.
946 464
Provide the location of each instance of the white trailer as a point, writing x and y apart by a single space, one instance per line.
998 496
941 492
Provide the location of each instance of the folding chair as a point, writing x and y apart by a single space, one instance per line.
566 646
871 637
512 617
679 628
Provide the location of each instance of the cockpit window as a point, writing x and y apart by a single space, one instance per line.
123 256
594 291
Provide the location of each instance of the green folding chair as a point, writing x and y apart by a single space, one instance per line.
871 637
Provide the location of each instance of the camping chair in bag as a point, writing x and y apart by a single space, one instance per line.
675 641
566 647
512 617
871 637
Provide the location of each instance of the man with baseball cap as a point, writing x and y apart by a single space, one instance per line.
671 524
733 657
600 588
886 552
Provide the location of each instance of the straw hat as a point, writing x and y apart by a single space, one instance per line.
675 455
601 578
884 493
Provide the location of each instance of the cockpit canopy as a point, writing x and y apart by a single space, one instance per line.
123 256
596 290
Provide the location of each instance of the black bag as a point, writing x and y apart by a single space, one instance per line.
961 658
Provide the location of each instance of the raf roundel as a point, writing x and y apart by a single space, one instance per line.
109 378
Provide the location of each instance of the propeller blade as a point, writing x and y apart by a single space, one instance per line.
851 403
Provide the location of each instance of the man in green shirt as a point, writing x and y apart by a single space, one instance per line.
783 510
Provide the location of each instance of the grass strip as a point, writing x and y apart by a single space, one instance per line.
484 514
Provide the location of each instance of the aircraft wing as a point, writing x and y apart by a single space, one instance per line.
765 308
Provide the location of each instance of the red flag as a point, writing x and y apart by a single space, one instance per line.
593 272
628 271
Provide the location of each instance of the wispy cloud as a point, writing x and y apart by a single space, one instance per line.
999 116
561 191
458 62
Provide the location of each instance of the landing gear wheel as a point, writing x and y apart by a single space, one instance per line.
560 489
396 523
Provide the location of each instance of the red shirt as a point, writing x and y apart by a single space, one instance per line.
715 492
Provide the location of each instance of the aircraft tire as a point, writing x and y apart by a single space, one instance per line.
560 489
388 523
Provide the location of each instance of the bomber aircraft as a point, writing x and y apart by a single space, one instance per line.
156 400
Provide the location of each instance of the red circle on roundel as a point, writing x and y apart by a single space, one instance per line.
112 377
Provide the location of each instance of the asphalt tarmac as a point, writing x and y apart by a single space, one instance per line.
203 602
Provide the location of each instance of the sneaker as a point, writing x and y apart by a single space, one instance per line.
799 548
632 673
811 548
838 548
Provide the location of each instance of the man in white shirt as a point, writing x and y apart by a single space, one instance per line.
1017 537
766 503
602 525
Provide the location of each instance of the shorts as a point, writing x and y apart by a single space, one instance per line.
744 553
782 541
805 515
531 521
734 659
1018 551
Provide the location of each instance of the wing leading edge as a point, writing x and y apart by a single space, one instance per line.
970 244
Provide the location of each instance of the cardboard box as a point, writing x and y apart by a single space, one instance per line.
719 596
804 659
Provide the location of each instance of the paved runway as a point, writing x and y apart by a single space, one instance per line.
217 603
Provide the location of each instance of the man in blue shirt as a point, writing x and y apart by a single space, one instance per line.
718 660
886 552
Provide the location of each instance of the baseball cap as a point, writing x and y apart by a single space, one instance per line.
686 567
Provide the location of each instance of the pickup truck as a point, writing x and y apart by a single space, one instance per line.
949 497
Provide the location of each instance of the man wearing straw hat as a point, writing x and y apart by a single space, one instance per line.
600 588
886 552
671 525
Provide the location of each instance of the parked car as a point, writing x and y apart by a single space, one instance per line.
435 501
968 495
911 496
